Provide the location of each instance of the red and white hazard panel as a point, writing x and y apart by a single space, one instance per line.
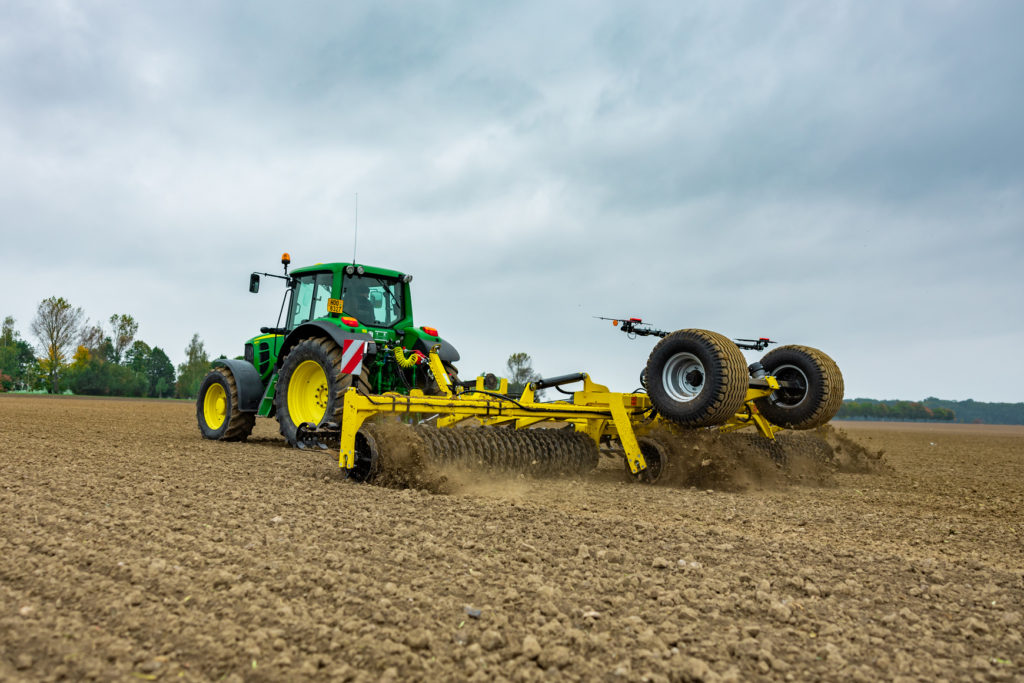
352 356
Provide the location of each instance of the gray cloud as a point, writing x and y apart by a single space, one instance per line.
843 175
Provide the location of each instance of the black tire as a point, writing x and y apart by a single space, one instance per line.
697 378
657 455
367 454
217 408
819 393
326 393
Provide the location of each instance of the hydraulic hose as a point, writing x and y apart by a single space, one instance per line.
406 361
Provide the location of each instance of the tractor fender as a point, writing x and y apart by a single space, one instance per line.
247 379
320 328
447 352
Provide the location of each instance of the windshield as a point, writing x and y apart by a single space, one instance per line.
372 300
309 300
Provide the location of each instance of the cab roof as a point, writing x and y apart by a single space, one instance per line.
340 268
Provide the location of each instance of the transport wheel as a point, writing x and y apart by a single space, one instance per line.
697 378
217 408
310 386
815 393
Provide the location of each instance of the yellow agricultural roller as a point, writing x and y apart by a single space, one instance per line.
695 379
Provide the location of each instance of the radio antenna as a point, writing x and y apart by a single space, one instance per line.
355 236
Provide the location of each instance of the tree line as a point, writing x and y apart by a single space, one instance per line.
969 411
866 409
71 353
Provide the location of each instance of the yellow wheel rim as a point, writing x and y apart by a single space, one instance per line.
215 406
308 393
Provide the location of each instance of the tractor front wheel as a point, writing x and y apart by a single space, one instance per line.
310 386
217 408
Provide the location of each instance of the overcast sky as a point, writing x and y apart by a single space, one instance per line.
843 175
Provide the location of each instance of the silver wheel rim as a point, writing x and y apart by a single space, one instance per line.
683 377
790 373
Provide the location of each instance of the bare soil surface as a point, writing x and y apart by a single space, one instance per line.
132 549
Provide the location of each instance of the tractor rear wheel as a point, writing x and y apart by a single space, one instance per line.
697 378
217 408
310 386
815 391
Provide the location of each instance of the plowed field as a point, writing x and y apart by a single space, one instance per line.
132 549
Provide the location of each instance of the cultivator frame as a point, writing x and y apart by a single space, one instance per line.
596 411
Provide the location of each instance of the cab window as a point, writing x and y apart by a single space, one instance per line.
309 298
373 300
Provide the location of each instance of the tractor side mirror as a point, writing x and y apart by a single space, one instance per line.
254 283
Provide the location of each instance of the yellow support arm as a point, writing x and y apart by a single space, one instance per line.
753 416
444 383
626 436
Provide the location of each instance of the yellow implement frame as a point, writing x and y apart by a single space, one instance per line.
594 410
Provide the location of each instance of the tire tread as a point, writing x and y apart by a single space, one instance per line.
337 402
731 391
828 389
239 424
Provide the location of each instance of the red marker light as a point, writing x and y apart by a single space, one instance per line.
351 322
635 320
432 331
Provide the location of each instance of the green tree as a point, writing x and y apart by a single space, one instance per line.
160 373
138 356
520 372
154 364
7 336
17 361
55 326
194 369
124 328
93 374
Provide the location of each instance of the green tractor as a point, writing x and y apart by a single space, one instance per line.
344 325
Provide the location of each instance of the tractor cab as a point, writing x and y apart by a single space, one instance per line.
361 300
339 325
343 299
